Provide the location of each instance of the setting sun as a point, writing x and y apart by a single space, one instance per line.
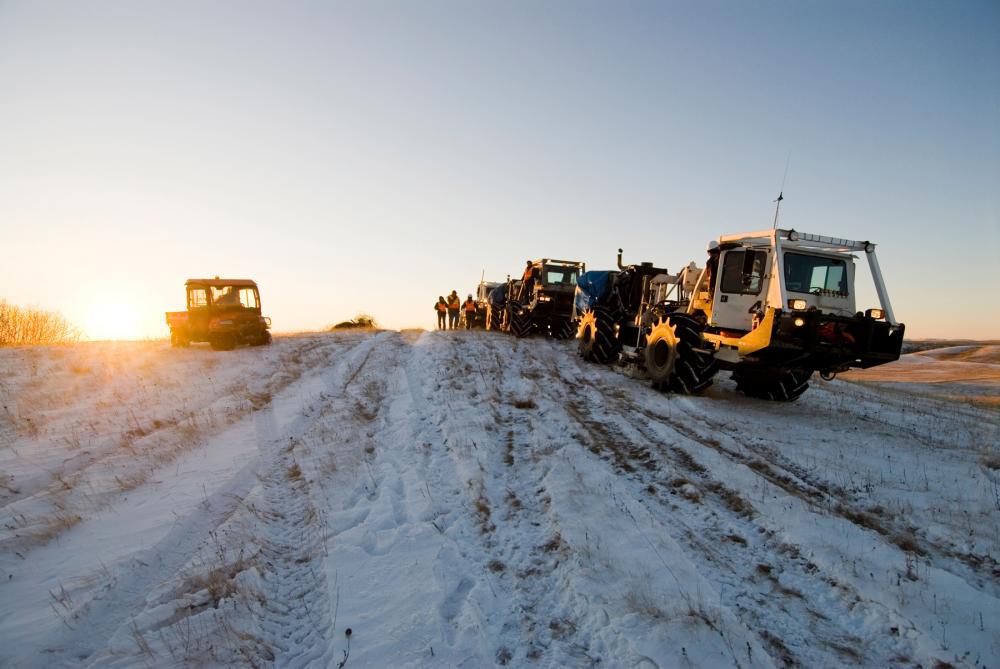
112 319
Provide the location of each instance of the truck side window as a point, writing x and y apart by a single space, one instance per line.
197 297
248 299
733 278
818 275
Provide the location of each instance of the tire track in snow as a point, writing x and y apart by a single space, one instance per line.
447 468
132 454
297 610
981 572
120 592
531 556
498 575
766 578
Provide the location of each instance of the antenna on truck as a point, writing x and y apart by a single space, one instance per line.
781 193
776 208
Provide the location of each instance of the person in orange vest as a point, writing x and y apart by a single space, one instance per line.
527 282
454 304
470 312
441 307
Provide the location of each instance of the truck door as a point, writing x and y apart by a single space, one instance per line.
198 311
740 286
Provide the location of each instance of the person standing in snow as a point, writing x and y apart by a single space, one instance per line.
470 312
441 307
454 304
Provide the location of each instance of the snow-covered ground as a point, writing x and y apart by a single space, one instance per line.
468 499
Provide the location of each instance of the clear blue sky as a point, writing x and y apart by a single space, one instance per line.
373 155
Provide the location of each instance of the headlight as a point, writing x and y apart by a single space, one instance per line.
797 305
793 236
869 247
875 313
544 298
799 322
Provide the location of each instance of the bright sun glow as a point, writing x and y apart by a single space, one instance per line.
112 319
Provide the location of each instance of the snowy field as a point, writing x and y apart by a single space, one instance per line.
470 500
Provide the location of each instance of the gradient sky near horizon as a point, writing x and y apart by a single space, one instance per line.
370 156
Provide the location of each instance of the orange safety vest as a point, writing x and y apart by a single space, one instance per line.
442 307
470 306
453 305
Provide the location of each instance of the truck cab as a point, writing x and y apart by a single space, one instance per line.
223 312
780 296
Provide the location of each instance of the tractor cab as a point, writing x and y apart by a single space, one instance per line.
555 281
545 303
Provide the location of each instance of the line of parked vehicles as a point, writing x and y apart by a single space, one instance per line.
771 306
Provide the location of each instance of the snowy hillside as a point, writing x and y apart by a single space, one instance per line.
469 499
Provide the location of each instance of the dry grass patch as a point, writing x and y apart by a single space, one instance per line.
778 649
555 545
482 506
80 368
327 463
642 604
731 499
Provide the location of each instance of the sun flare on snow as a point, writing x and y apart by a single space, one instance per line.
112 319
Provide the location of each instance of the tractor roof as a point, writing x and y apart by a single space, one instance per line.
218 283
795 239
552 261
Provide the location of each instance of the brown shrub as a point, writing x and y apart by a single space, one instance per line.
31 326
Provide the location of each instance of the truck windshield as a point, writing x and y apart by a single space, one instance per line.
559 275
815 274
234 296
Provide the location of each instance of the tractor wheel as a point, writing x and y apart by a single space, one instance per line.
782 384
179 340
493 318
598 341
562 330
520 326
262 340
674 359
506 317
223 342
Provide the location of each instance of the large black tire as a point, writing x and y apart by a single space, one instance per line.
493 318
506 317
562 329
262 340
223 342
598 338
675 359
780 384
179 339
520 326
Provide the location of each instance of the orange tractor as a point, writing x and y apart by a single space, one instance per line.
223 312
